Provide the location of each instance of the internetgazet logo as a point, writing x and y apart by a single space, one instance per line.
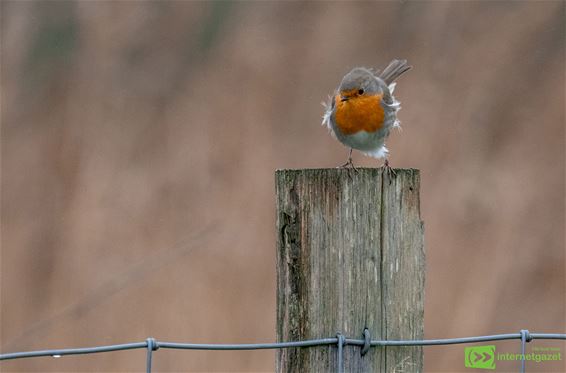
484 357
480 357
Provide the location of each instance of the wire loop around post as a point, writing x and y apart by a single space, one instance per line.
341 343
367 342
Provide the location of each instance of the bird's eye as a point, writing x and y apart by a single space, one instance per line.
360 91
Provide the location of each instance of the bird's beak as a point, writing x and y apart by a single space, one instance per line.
344 98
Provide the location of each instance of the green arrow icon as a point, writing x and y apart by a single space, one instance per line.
482 357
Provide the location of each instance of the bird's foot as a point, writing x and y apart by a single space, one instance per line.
387 170
349 165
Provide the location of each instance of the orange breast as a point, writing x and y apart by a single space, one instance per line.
361 113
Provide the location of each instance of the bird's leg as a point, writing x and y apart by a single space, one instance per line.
388 170
349 164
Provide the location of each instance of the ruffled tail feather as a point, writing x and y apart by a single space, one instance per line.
394 70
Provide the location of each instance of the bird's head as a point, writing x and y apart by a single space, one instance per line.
357 83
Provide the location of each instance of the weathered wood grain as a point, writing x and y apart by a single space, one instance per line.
350 255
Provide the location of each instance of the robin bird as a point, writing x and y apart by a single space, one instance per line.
363 110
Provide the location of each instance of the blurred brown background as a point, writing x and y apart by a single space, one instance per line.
139 142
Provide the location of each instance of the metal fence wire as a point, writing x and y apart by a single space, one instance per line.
339 340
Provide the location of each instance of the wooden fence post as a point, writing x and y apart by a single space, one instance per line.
350 255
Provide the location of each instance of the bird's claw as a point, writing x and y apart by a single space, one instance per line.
349 164
387 170
350 167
